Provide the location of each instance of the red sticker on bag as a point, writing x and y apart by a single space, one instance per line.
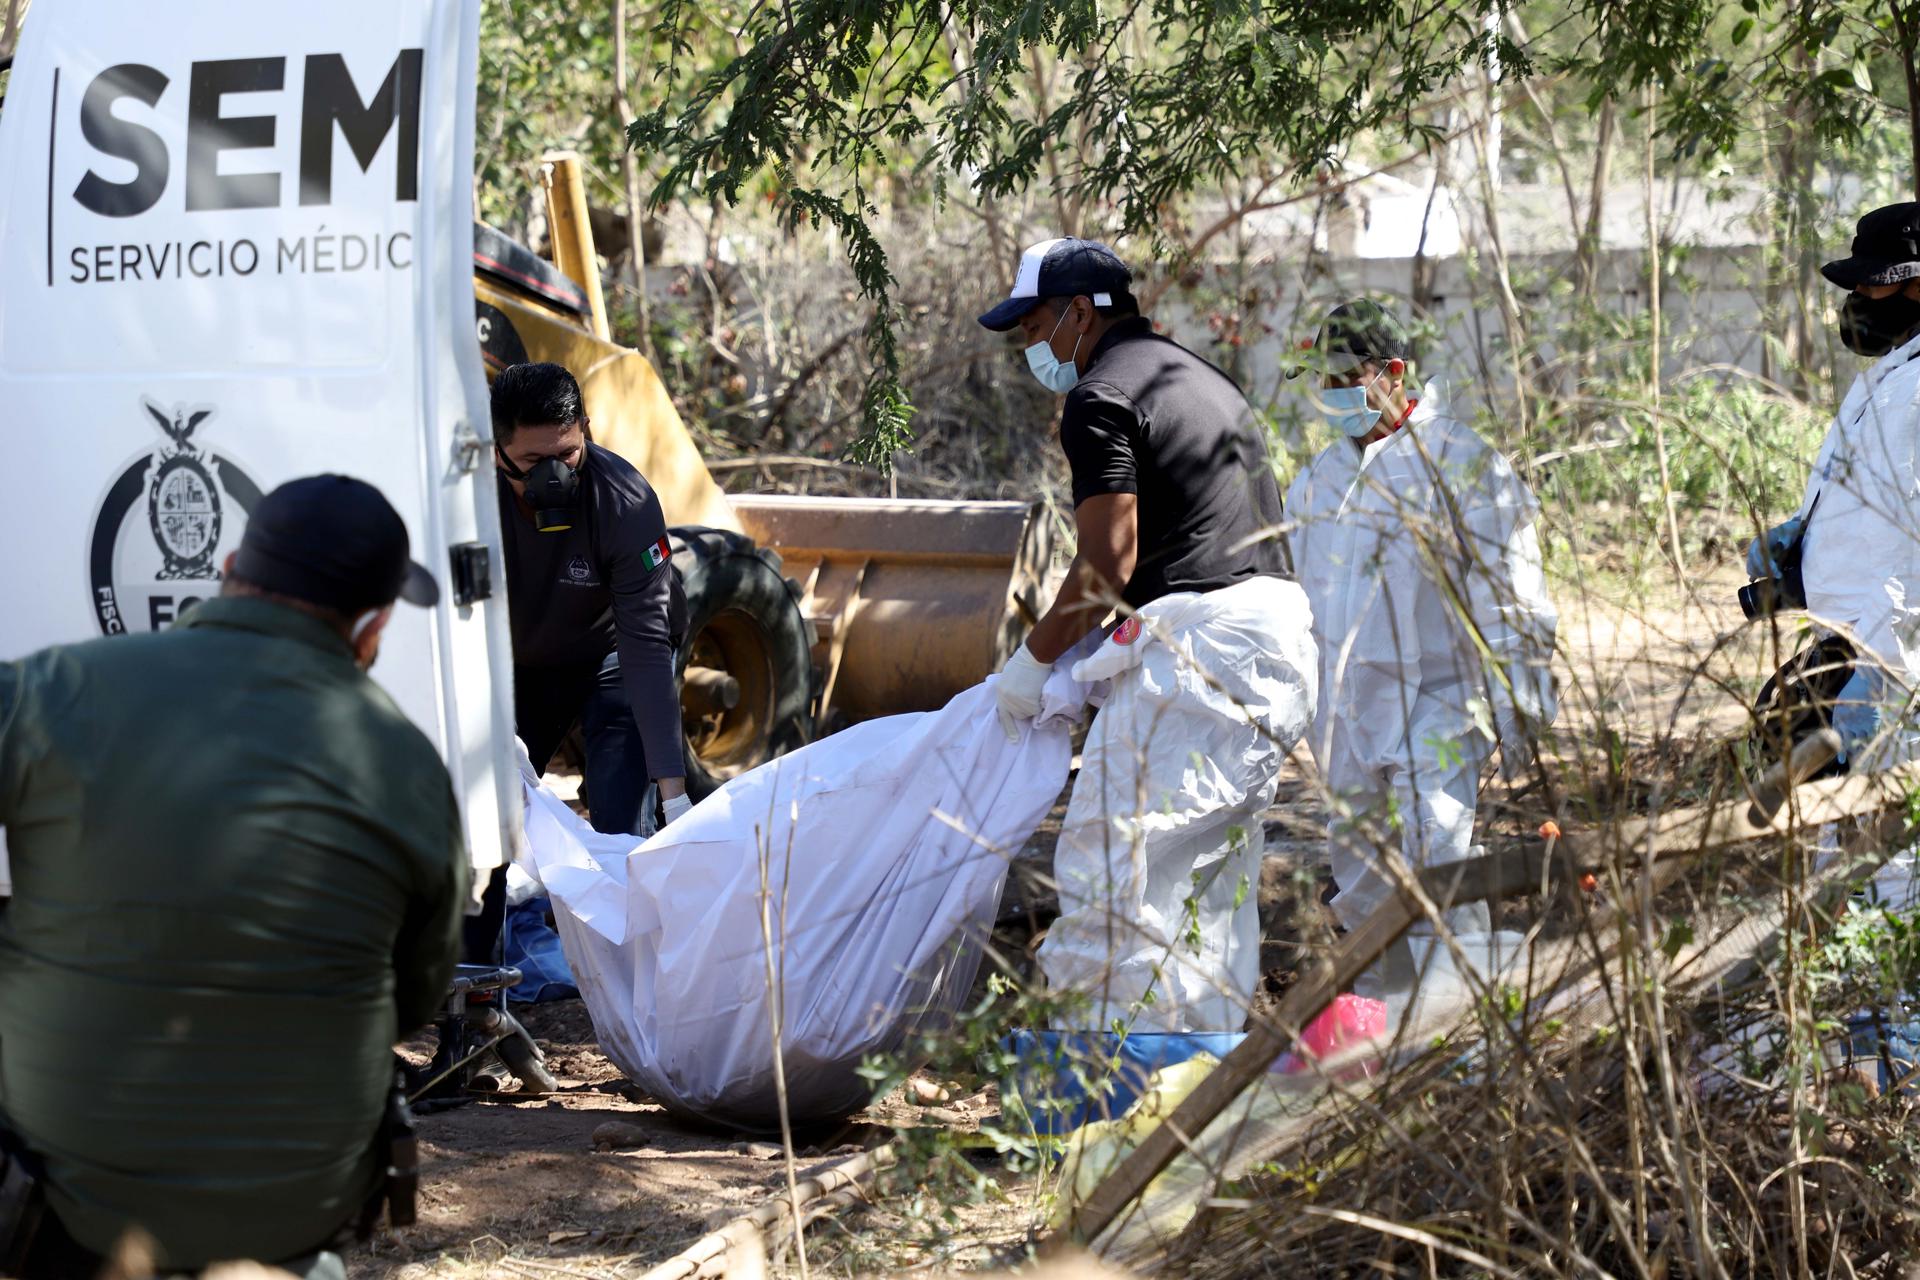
1128 631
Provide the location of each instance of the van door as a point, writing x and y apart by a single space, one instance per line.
237 247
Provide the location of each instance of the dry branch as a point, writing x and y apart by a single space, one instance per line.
772 1217
1541 866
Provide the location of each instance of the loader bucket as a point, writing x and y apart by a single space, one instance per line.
910 601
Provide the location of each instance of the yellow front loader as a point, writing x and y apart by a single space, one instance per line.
803 613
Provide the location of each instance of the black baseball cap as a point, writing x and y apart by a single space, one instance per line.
1356 330
1065 268
1886 249
332 541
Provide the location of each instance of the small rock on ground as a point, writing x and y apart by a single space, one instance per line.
618 1135
759 1150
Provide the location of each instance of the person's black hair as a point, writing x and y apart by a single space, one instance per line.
1124 305
533 395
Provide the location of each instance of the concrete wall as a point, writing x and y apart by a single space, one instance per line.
1711 302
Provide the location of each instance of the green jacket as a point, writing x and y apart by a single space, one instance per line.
238 878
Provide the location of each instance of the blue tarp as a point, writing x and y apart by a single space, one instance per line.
1066 1079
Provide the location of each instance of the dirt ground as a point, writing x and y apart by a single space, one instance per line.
513 1187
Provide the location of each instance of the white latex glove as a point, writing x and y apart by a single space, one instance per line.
1856 713
673 806
1766 551
1018 690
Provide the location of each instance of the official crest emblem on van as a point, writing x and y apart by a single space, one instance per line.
183 507
145 572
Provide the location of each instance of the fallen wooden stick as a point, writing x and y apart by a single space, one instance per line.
772 1216
1536 866
1807 758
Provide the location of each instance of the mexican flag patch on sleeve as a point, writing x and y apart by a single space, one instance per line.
657 554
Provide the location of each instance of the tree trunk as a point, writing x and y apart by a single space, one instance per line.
1064 222
1425 269
12 29
1587 255
1511 316
1799 156
1903 29
1653 349
1653 263
630 176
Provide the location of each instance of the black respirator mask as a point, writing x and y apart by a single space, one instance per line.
553 491
1875 326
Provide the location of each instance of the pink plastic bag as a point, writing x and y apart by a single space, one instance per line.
1348 1022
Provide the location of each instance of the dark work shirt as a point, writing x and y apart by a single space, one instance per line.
1151 418
577 596
238 878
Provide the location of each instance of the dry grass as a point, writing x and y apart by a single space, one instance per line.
1663 1088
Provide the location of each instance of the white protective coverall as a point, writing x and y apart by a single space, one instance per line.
1861 552
1389 541
1159 857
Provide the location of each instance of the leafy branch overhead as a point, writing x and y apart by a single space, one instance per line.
821 106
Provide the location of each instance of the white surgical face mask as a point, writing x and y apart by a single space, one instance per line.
1347 409
1055 375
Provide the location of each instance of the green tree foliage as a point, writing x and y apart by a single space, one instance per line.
1167 97
818 99
546 82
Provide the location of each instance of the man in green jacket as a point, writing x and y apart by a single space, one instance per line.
238 876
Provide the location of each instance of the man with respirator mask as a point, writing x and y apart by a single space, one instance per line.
1856 538
1177 513
1415 542
595 606
1855 541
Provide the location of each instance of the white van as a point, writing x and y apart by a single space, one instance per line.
237 249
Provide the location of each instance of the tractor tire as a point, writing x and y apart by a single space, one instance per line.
746 664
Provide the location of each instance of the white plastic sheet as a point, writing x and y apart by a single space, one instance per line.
883 850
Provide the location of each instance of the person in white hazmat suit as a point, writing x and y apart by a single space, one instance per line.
1854 544
1209 673
1415 543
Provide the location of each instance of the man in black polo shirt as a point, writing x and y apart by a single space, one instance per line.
1172 486
595 610
1178 513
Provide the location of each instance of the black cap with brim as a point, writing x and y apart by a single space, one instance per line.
418 588
1886 249
1064 268
1358 330
333 541
1008 313
1852 272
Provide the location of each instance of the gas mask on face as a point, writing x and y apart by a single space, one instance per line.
553 491
1875 326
